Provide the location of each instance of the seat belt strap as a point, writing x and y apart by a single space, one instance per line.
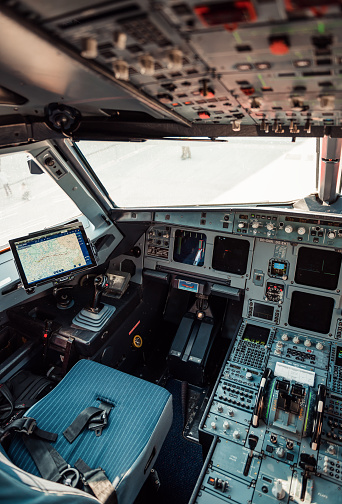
98 482
7 394
28 426
49 462
95 418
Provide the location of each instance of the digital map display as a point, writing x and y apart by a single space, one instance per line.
52 254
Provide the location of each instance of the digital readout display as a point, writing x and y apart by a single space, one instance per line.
338 360
278 269
256 334
302 220
263 311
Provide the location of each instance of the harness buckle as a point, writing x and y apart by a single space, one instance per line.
98 423
69 477
28 425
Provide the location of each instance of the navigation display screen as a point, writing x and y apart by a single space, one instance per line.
338 359
256 334
230 255
52 254
311 312
318 268
189 247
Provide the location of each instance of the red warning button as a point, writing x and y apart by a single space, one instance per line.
204 115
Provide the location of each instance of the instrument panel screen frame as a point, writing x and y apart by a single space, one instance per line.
189 247
318 268
230 255
311 312
256 334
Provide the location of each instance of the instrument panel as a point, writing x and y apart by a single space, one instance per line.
273 425
292 282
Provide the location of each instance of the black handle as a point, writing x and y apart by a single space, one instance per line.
260 398
318 420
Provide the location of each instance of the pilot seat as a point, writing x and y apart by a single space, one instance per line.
98 426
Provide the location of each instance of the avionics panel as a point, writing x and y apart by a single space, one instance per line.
52 254
311 312
318 268
189 247
230 255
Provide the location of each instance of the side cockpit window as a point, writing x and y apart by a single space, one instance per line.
30 200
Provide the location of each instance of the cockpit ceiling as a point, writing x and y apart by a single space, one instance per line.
174 67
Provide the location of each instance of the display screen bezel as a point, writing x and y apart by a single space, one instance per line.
315 318
308 273
221 263
263 311
250 334
181 257
58 230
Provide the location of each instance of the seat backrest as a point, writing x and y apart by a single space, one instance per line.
19 487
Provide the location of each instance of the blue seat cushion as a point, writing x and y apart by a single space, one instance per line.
138 423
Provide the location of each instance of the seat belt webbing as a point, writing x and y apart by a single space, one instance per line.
97 480
49 462
95 418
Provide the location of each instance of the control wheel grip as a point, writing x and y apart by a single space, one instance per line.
260 398
318 420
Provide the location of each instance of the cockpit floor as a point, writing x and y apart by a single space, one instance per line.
179 462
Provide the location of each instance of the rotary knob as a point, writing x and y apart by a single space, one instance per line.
301 230
296 340
279 345
307 343
220 408
319 346
236 434
213 425
230 412
255 225
249 376
270 226
331 450
288 229
280 452
225 425
284 337
331 235
241 225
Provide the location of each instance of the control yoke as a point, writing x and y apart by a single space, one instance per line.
100 284
96 316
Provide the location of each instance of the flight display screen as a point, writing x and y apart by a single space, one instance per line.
311 312
52 254
263 311
230 255
338 359
318 268
189 247
278 268
256 334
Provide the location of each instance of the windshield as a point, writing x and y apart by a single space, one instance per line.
185 172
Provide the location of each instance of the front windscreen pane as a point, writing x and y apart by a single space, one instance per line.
29 202
184 172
